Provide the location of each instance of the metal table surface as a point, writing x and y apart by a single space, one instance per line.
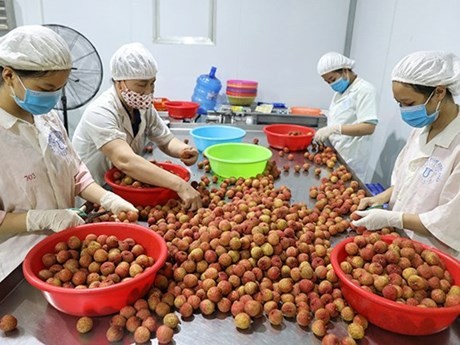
40 323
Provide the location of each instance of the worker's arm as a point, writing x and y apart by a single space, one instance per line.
378 199
124 158
412 222
354 130
358 129
178 149
13 223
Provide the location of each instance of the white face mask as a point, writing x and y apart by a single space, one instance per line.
136 100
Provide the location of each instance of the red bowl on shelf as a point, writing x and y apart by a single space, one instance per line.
242 84
182 109
159 103
239 90
104 300
278 136
305 111
241 94
392 316
147 196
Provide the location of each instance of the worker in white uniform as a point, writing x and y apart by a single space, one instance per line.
352 115
424 196
41 173
114 127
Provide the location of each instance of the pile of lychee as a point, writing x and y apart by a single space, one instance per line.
124 217
139 319
400 270
123 179
95 261
251 253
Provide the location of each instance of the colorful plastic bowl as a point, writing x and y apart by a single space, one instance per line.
239 95
392 316
250 84
239 100
182 109
147 196
237 159
206 136
278 136
97 301
234 90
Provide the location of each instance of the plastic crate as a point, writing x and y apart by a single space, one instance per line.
375 188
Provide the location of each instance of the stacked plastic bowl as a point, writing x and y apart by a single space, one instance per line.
241 92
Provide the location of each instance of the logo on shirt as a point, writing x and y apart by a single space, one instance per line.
30 177
431 171
56 143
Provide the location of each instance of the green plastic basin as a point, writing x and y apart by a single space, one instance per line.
237 159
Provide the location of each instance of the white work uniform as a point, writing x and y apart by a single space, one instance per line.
358 104
38 171
105 120
426 181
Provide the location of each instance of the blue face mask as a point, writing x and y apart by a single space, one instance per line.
417 116
340 85
37 102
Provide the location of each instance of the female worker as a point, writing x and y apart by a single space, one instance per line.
114 127
425 194
352 113
41 174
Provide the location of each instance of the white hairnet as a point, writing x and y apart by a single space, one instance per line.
133 61
333 61
34 48
429 68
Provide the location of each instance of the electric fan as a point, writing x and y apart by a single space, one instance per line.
86 74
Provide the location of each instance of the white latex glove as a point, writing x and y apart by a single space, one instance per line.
55 220
116 204
376 219
324 133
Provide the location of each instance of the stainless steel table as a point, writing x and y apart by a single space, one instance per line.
39 323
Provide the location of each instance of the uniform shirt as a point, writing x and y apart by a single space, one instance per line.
358 104
426 180
106 120
40 170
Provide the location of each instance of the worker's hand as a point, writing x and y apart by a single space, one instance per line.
324 133
377 219
191 199
55 220
369 202
189 156
116 204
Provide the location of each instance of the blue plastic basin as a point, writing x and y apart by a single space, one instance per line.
210 135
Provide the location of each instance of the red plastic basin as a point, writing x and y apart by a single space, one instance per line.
392 316
182 109
97 301
278 136
147 196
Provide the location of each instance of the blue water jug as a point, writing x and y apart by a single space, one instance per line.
206 91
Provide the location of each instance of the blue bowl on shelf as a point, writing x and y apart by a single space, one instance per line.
206 136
